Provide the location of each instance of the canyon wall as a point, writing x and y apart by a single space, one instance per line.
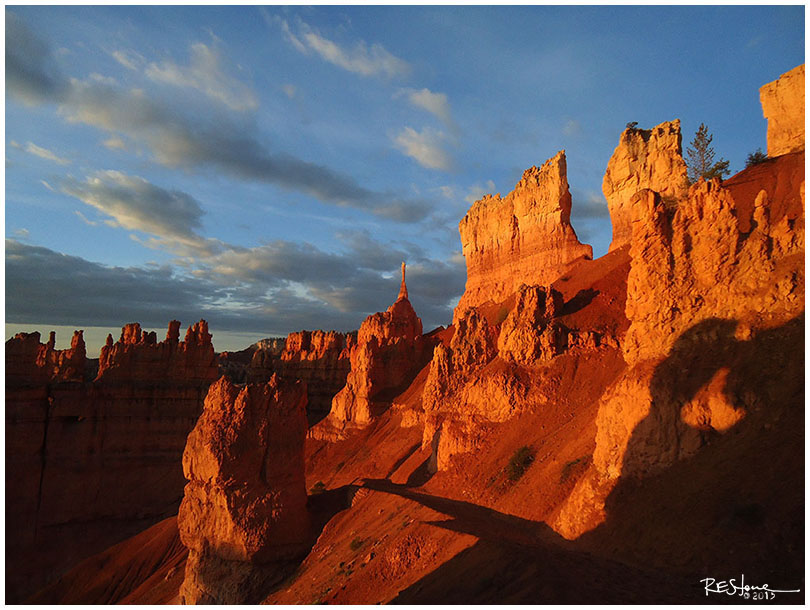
245 505
783 105
90 461
523 238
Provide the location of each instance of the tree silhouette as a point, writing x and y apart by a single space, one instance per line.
700 163
755 158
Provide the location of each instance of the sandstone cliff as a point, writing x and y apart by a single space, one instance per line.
89 462
783 105
523 238
708 280
245 503
644 159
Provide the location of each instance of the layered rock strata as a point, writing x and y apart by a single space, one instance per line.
523 238
89 462
783 105
245 502
644 159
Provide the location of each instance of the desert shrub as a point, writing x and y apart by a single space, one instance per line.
570 467
356 544
318 487
519 463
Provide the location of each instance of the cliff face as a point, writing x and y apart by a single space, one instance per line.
321 360
245 502
644 159
713 286
90 462
783 105
523 238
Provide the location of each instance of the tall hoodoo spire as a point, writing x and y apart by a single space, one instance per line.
403 289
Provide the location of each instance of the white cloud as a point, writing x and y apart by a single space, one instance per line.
374 60
129 59
22 233
424 146
434 103
44 153
289 90
84 219
477 191
205 73
114 143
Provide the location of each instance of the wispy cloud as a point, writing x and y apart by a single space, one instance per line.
363 59
424 146
206 74
476 191
195 141
129 59
135 204
44 153
435 103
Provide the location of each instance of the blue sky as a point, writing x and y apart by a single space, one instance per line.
267 168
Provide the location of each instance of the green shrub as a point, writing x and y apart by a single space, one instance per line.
571 467
356 544
319 487
519 463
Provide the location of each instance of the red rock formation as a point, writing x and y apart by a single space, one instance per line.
783 105
644 159
523 238
708 275
138 355
90 463
387 355
31 363
529 333
246 497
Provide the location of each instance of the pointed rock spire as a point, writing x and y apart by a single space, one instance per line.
403 289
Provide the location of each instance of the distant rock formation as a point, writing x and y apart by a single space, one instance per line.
644 159
31 363
82 453
138 356
783 105
388 353
523 238
246 501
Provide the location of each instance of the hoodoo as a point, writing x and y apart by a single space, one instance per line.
388 353
523 238
644 159
245 503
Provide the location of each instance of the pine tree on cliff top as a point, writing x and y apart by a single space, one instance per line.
700 158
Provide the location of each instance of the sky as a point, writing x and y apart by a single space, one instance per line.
268 168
